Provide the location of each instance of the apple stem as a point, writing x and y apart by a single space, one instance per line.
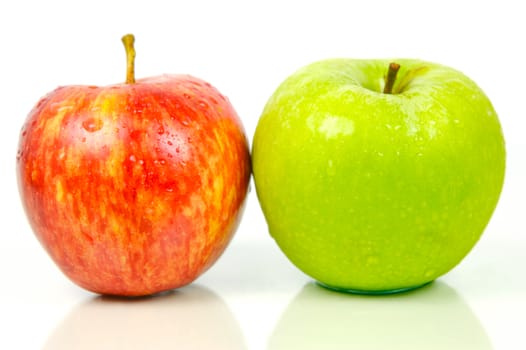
391 77
128 41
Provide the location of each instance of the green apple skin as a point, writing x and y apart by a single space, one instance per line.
372 192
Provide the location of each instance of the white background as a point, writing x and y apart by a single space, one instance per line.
253 298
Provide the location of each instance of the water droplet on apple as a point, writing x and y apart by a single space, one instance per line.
132 158
169 189
162 161
371 260
92 124
203 104
185 122
187 96
429 273
331 171
160 131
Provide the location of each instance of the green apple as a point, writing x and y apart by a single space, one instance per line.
376 177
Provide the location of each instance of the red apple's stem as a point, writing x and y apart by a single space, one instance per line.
128 41
391 77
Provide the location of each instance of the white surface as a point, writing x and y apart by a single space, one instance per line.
253 298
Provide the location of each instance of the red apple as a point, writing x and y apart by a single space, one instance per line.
134 188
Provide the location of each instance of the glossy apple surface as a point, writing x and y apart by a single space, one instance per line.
134 188
377 192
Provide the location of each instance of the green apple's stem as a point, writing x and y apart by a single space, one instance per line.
391 77
128 41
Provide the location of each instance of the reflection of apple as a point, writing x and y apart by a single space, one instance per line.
134 188
373 185
190 318
433 317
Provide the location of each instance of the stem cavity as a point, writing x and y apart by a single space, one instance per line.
128 41
391 77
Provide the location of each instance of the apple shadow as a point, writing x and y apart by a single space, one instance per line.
192 317
432 317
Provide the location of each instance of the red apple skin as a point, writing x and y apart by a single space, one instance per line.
134 189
